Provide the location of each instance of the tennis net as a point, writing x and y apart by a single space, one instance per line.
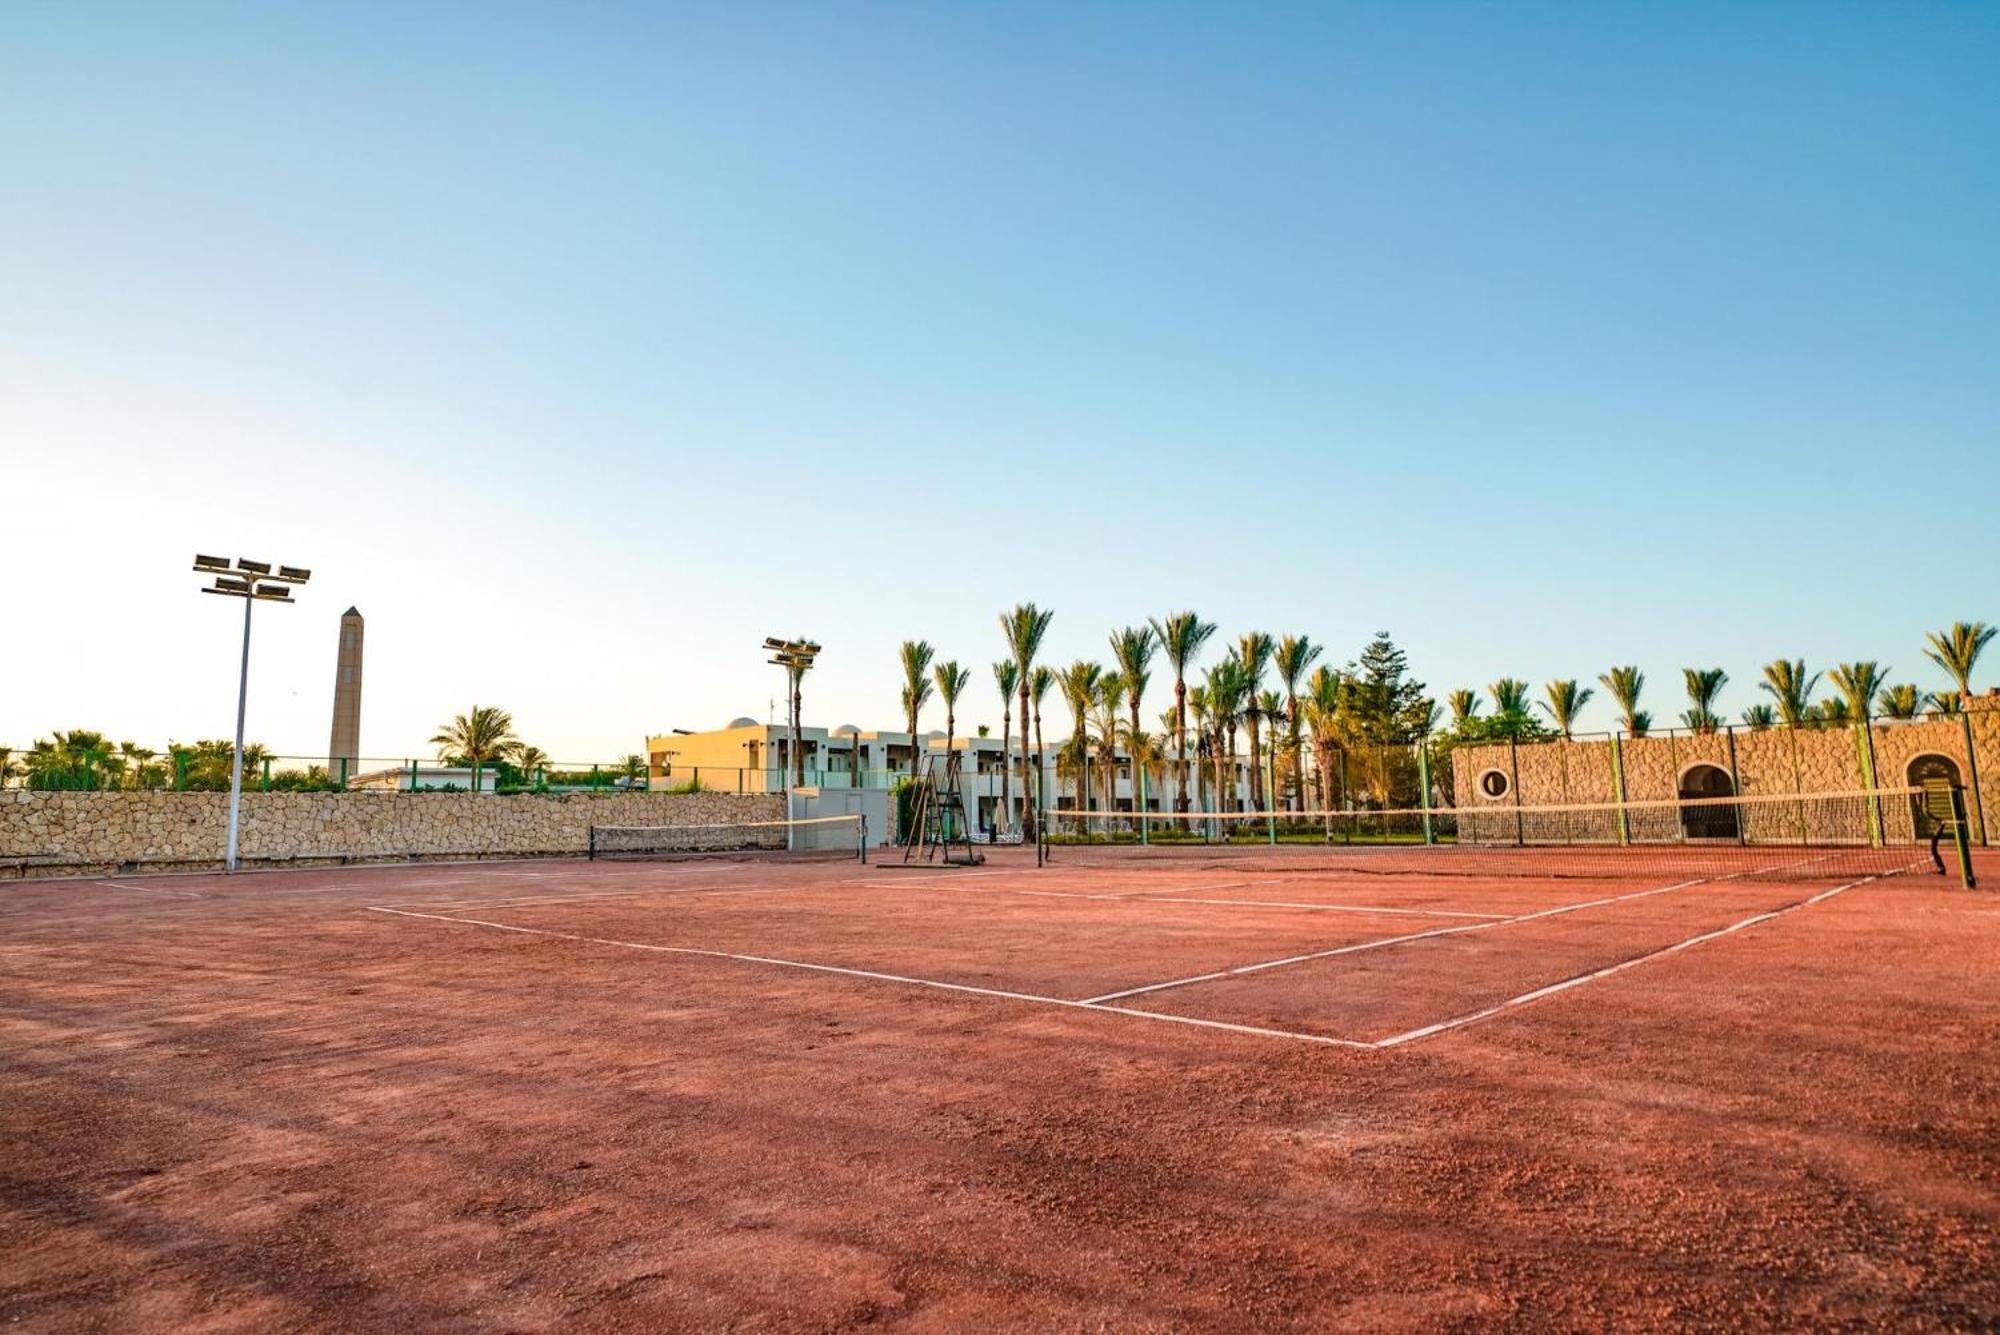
832 837
1810 836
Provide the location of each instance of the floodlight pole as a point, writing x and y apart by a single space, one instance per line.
236 760
250 581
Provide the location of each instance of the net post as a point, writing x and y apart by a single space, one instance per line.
863 838
1960 838
591 845
1424 785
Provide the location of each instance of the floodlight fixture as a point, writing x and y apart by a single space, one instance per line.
248 585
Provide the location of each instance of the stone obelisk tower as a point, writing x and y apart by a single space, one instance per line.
343 753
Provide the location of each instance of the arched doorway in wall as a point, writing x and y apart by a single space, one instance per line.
1707 821
1936 775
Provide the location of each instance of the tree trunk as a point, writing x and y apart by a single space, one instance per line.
1007 764
1257 796
1180 743
1029 793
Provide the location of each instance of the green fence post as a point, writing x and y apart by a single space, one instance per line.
1514 787
1424 784
413 776
1271 795
180 771
1139 790
1977 812
1865 750
593 778
1618 789
1736 787
267 774
343 774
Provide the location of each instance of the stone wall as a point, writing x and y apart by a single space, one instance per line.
72 833
1773 761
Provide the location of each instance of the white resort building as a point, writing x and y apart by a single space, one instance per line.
751 757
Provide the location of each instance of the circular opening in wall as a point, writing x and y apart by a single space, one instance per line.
1493 783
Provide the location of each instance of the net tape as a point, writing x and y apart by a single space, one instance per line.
1787 835
837 836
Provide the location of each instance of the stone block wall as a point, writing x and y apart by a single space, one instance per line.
90 833
1774 761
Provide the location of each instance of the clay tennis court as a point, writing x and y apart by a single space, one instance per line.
1137 1093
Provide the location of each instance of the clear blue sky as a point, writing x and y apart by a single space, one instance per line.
582 345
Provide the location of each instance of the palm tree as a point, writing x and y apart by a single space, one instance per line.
1624 684
1510 698
1007 676
1197 705
1227 688
1132 649
1704 686
1181 636
1293 656
1904 701
915 656
1833 709
1321 711
1857 684
1040 682
1254 650
7 766
1024 626
135 758
951 683
1110 702
478 737
1949 703
1566 700
1760 717
1789 686
531 761
1078 683
1464 704
1957 650
632 771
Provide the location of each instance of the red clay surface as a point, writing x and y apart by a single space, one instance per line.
611 1096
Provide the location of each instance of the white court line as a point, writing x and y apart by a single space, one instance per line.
1550 990
145 889
1386 941
880 977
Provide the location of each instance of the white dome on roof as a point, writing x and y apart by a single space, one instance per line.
934 735
847 730
745 722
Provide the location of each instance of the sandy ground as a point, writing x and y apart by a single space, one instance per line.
721 1095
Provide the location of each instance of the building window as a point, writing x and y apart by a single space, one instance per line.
1493 783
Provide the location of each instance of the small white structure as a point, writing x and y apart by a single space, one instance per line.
417 778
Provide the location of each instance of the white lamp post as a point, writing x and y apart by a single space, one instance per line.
252 581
